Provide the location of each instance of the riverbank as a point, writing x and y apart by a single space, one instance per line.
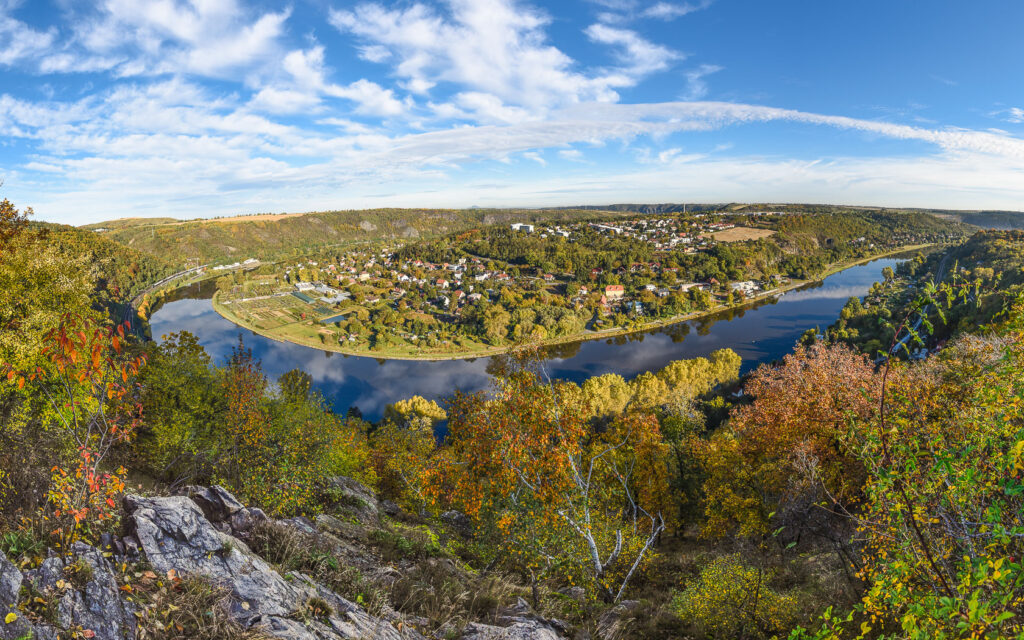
483 351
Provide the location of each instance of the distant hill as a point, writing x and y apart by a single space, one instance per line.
1001 220
271 236
126 223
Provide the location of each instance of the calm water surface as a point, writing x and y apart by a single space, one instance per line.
761 333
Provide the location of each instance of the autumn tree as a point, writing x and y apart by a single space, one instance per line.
556 498
784 452
415 413
88 382
183 400
940 518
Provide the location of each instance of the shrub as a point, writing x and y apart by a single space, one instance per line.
730 599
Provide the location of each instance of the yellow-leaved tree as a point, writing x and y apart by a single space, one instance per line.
552 496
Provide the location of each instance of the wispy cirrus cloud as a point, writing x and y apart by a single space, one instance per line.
1014 115
671 11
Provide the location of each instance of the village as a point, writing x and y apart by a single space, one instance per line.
373 296
688 235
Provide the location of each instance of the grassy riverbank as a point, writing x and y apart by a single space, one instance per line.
308 333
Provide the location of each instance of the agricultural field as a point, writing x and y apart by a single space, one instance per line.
740 234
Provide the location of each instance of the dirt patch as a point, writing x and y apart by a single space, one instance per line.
738 234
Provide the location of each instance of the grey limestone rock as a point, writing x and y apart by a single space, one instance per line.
175 535
87 593
518 622
356 498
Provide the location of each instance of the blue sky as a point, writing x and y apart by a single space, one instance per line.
189 108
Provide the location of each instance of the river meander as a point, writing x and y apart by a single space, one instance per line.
759 333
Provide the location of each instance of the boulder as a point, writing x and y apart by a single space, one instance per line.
174 535
391 508
86 592
10 581
614 623
459 522
10 586
518 622
217 503
579 594
244 521
355 498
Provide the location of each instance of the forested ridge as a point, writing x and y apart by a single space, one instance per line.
824 496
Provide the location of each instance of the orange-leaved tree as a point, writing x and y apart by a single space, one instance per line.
784 452
557 498
88 381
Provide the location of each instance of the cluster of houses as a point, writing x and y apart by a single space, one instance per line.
467 281
368 276
664 234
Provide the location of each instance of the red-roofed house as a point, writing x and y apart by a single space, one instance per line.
614 291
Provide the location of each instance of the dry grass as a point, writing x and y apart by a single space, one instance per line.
188 609
739 234
435 589
291 550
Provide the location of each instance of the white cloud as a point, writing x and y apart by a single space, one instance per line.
374 53
308 81
640 56
483 47
670 11
697 87
216 38
20 42
1014 115
536 157
668 154
282 101
132 149
371 98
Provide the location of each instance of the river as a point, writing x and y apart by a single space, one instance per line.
760 333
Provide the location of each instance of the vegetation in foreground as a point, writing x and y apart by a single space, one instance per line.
831 498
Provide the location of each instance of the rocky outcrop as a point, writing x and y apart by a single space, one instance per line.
225 512
10 587
614 623
86 593
517 622
204 534
458 522
79 591
175 534
355 498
